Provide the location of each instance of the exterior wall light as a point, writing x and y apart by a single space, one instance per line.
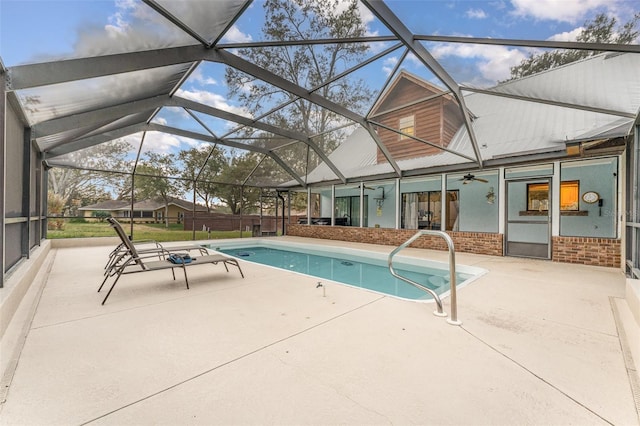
491 196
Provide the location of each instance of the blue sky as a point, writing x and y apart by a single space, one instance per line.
43 30
31 30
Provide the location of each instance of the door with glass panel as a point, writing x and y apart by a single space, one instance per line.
528 231
421 210
348 208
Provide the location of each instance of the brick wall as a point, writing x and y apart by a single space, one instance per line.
587 251
468 242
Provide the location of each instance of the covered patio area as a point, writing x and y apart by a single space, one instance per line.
540 343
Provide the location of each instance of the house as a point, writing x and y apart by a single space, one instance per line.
144 211
415 118
552 176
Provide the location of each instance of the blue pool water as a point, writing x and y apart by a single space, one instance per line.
353 270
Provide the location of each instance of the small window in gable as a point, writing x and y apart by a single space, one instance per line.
407 126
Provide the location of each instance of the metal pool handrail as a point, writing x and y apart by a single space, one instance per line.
452 274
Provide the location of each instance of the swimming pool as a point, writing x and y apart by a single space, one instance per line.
357 268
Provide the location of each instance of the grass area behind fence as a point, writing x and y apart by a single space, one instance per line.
157 232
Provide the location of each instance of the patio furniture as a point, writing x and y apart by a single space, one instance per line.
132 261
143 246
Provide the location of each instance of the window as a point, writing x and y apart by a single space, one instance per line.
407 126
421 210
569 195
538 196
348 210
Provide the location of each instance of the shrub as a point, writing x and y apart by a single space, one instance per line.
101 214
55 204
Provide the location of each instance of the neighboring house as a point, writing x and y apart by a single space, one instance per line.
144 211
550 186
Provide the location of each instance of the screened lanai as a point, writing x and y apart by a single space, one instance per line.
361 123
151 104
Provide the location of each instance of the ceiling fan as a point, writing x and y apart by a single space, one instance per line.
468 178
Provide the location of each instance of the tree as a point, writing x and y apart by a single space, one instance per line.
205 165
151 181
601 30
89 186
235 196
307 66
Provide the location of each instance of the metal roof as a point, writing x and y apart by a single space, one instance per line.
129 91
513 127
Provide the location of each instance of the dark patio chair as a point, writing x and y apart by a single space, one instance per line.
132 261
143 246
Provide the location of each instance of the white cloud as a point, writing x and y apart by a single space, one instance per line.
234 35
493 62
199 77
555 10
214 100
133 26
117 26
389 64
378 46
476 14
567 35
367 18
162 143
498 61
366 15
414 59
118 23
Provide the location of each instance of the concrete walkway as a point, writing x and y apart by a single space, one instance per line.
539 345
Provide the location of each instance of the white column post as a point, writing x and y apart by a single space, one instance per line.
443 207
308 205
361 204
502 201
333 205
555 200
398 203
621 182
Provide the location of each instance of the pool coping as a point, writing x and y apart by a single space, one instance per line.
402 260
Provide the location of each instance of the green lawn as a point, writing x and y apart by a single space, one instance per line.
157 232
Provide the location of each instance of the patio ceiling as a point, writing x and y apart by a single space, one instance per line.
134 94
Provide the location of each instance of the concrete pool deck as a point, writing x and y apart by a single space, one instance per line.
541 343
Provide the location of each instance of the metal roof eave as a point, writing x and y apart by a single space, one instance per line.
549 102
545 44
528 158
